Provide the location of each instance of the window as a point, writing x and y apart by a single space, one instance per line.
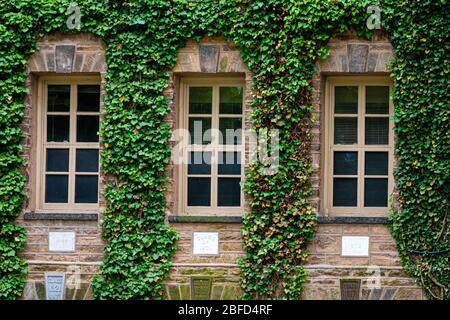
359 145
68 148
210 164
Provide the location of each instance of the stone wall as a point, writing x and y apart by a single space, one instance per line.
350 55
378 276
210 57
59 54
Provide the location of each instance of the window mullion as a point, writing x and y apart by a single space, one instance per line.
72 143
361 128
215 146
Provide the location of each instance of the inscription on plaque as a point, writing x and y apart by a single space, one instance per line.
54 286
350 289
355 246
61 241
201 288
206 243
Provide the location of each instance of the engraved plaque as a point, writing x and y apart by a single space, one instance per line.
54 286
355 246
201 288
350 289
61 241
206 243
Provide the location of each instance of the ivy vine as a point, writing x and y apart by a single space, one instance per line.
281 41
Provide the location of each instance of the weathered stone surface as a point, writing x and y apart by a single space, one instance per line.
50 58
40 290
375 294
64 55
383 62
29 291
209 56
357 56
389 293
173 292
78 64
408 294
216 292
372 63
185 291
229 293
343 61
201 288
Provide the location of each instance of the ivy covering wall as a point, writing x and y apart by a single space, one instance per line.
281 41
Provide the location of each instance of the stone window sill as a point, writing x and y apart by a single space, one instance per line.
238 219
61 216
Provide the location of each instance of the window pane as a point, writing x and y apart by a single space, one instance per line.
86 189
376 163
229 192
87 128
199 191
200 100
89 98
87 160
231 100
57 160
199 163
377 100
375 192
58 98
346 99
346 163
229 163
345 131
200 130
58 128
377 131
230 130
345 192
56 188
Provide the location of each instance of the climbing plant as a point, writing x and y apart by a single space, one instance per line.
281 41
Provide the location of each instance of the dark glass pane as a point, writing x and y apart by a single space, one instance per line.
87 160
199 191
376 163
89 98
56 188
229 192
377 131
229 163
231 100
57 160
58 128
58 98
377 100
230 130
345 192
345 162
345 130
87 128
375 192
346 99
200 100
200 130
86 189
199 163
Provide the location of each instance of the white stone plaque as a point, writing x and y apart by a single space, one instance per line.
54 286
206 243
61 241
355 246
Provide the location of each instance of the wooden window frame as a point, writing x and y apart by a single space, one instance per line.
214 147
360 147
42 145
